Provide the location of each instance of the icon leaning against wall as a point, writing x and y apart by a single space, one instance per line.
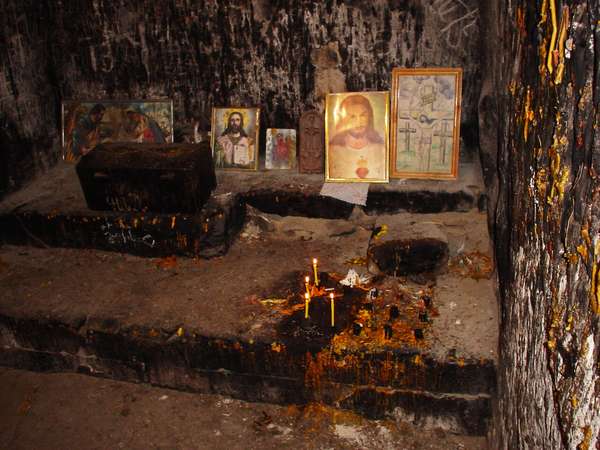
87 123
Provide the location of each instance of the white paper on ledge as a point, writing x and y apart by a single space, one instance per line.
355 193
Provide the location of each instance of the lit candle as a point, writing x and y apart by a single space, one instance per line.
306 302
316 273
332 310
306 280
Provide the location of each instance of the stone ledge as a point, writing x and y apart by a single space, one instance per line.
136 348
206 234
52 211
280 192
243 371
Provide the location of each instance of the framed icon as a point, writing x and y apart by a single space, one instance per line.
86 123
356 137
425 123
234 138
280 148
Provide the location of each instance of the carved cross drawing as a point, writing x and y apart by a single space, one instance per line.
407 132
444 137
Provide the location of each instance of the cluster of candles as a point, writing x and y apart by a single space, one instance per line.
307 294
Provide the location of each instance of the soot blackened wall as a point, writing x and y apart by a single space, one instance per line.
280 55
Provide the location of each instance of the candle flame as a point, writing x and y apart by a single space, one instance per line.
306 295
331 296
314 260
306 279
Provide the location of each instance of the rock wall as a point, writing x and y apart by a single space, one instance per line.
281 55
539 129
28 98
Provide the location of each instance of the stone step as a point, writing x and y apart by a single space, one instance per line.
108 414
235 324
102 343
206 234
258 373
52 211
289 193
463 414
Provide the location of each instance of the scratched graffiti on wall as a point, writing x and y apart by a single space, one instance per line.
459 20
127 236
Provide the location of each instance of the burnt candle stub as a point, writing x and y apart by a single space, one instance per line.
427 301
368 307
387 331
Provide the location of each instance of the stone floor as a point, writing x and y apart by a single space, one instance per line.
61 411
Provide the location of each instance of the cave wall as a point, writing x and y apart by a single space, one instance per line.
28 99
281 55
539 122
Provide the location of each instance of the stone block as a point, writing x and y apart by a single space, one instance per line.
166 178
402 246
